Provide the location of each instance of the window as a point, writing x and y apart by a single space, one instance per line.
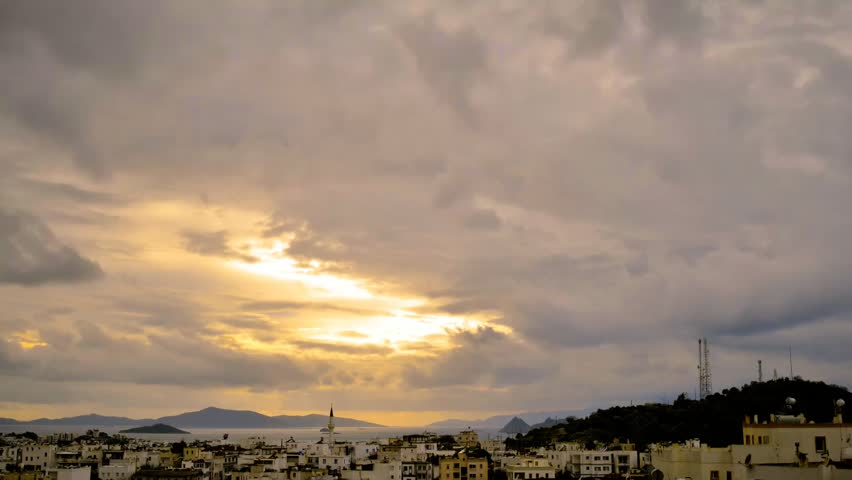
729 476
760 440
748 439
714 474
819 443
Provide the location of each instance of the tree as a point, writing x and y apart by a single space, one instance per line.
446 442
178 447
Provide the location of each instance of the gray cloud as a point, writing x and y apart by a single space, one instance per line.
479 358
30 254
152 362
343 348
482 220
450 62
213 244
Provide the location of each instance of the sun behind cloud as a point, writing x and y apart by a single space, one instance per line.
385 319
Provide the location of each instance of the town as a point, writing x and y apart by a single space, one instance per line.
779 447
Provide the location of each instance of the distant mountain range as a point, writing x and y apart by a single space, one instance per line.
210 417
499 421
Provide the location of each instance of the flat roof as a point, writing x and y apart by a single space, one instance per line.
797 425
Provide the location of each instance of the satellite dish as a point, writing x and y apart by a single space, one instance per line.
748 460
791 401
840 403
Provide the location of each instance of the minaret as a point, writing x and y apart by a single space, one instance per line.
331 430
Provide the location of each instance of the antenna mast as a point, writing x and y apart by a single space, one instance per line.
791 362
708 379
760 371
700 372
705 382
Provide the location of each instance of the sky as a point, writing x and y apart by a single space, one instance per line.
418 210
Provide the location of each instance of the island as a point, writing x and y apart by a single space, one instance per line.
156 428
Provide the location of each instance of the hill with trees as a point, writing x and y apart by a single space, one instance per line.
716 420
156 428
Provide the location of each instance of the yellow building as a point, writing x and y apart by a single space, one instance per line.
28 475
468 438
463 467
785 447
192 453
815 441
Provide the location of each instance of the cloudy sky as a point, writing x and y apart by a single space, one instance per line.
418 210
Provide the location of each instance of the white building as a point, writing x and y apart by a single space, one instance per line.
364 450
526 468
8 456
625 461
424 450
560 455
252 442
80 473
333 462
591 464
143 458
38 457
374 471
417 471
116 471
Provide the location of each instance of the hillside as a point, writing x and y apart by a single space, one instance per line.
313 420
156 428
716 420
213 417
515 426
91 420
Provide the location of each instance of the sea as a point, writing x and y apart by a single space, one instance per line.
270 435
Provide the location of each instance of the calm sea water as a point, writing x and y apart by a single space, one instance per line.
272 435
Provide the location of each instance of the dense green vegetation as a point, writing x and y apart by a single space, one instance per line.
717 420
